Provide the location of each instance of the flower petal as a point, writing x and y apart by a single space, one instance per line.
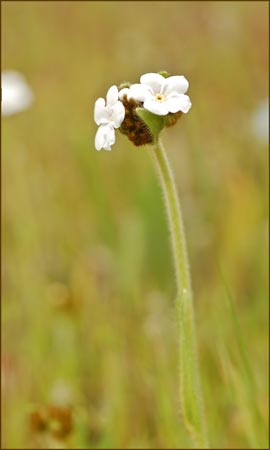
178 84
112 96
101 114
118 114
105 137
154 80
122 92
140 92
177 103
155 107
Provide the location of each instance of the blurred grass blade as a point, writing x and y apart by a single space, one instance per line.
248 382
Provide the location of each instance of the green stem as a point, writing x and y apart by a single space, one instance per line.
190 389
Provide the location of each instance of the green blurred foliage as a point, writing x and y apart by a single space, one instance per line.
88 289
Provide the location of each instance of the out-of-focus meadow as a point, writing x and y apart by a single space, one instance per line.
89 341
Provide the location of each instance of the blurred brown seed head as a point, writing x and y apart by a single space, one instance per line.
60 421
38 421
55 421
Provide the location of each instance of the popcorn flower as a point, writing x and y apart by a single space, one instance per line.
108 117
162 95
141 111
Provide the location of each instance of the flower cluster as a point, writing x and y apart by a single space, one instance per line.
141 110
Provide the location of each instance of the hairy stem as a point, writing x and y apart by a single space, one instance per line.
190 390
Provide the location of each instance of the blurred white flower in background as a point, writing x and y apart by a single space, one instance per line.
260 121
62 393
16 93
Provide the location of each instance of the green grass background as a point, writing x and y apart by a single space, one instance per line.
87 279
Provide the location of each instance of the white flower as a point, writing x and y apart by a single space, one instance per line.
16 94
108 116
260 121
161 95
105 137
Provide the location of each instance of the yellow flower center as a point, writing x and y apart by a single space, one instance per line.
160 98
